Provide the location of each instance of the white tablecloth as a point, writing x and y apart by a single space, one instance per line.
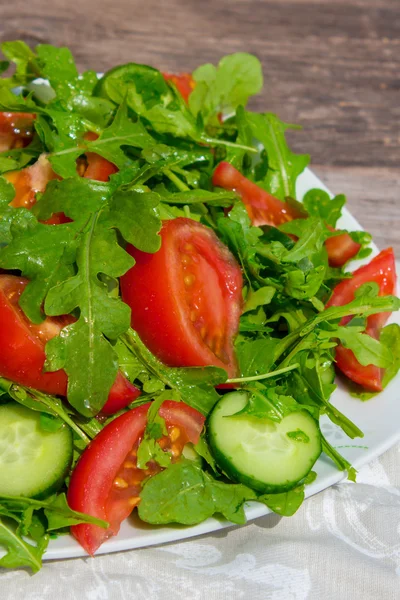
343 543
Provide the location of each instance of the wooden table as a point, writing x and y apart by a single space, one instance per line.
331 65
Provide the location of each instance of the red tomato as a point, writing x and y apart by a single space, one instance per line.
186 298
106 482
264 209
341 248
184 83
382 270
29 181
16 130
22 354
98 168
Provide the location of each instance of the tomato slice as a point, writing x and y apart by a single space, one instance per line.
341 249
98 168
16 130
186 298
184 83
381 270
106 481
264 209
22 349
29 181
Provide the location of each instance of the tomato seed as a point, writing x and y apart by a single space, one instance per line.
120 483
189 280
174 434
134 501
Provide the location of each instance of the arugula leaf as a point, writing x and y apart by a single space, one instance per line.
102 316
195 385
122 132
284 503
366 349
20 553
283 165
58 514
258 298
256 356
222 89
318 203
134 214
45 255
192 497
25 60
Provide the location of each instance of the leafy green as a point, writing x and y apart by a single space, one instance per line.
193 496
222 89
283 165
318 203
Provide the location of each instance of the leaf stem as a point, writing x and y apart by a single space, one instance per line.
264 376
178 182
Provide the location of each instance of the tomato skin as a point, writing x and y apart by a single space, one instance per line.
341 249
93 479
22 355
262 207
94 474
184 83
22 349
381 270
186 298
98 167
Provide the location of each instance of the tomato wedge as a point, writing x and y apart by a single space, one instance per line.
186 298
264 209
16 130
341 249
184 83
106 481
98 168
381 270
22 349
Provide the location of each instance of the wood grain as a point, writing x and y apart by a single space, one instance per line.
332 66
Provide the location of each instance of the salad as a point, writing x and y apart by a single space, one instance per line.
171 316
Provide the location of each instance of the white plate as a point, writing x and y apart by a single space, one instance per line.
378 418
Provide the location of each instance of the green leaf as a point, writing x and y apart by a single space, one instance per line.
222 89
102 316
283 165
318 203
312 239
258 298
77 198
367 350
60 515
25 60
43 254
256 356
284 503
149 96
134 215
122 132
20 553
58 67
195 385
193 497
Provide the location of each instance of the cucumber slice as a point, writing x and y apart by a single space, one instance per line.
267 456
33 462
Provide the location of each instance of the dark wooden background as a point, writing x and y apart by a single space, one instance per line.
331 65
